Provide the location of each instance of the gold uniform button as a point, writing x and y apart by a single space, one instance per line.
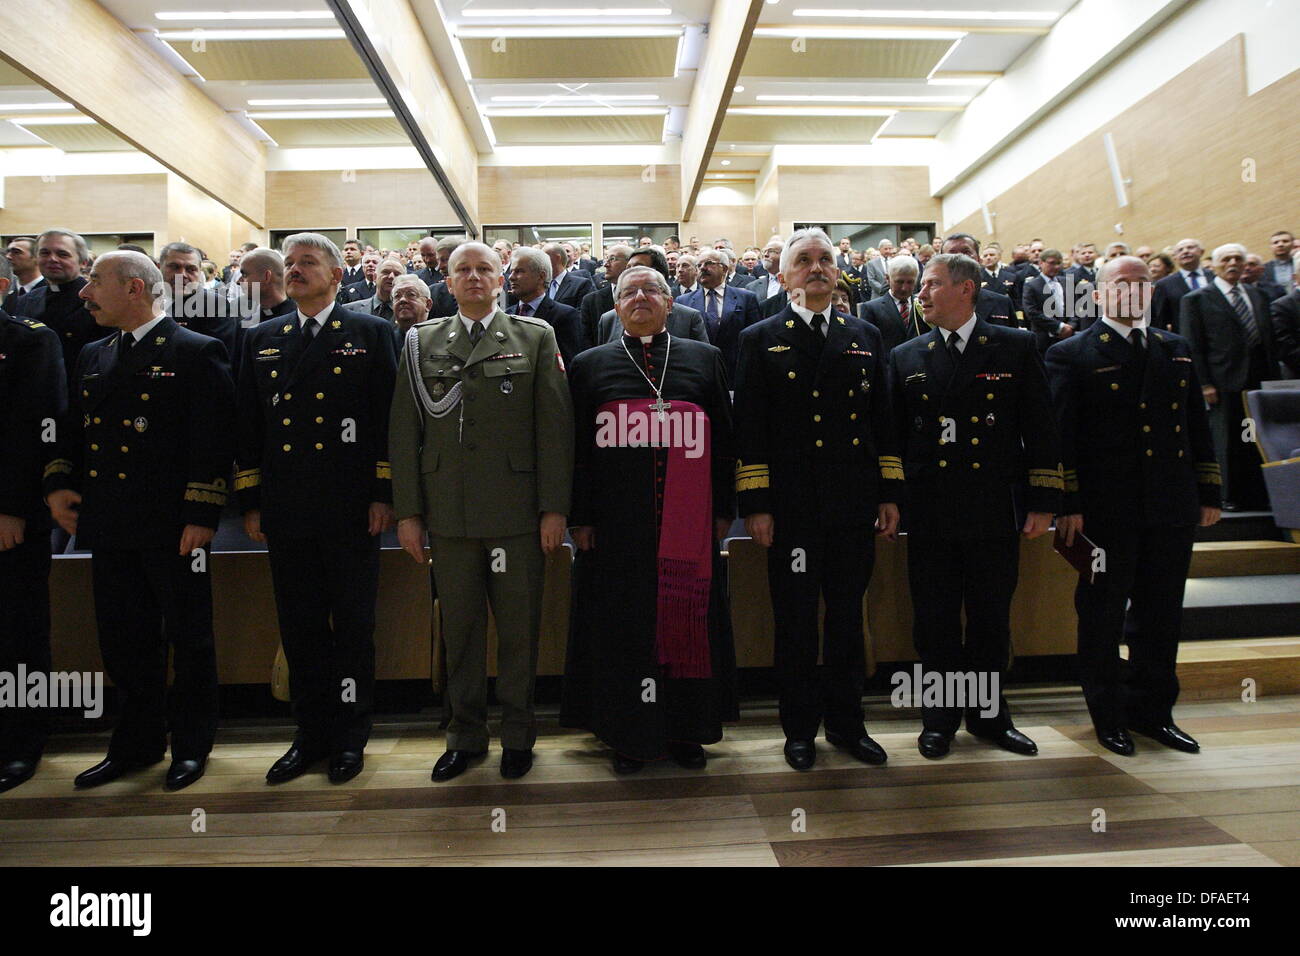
1114 386
816 394
819 443
791 375
857 441
319 420
850 393
319 395
1180 453
989 396
337 370
974 420
97 421
94 447
121 476
974 441
1174 406
274 374
287 396
1182 383
286 421
853 416
817 418
975 464
1143 405
1150 453
144 396
319 446
924 397
125 449
287 447
1178 428
94 473
942 463
1146 428
84 393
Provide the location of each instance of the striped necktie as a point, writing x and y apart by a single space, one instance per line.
1244 316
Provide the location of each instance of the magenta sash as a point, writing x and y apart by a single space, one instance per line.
685 556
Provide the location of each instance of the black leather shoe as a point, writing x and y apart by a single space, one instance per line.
14 773
296 761
1171 736
515 763
1116 739
933 744
1012 740
345 765
453 763
801 754
626 765
690 756
182 773
863 748
108 770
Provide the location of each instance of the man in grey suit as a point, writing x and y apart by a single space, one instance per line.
1227 325
682 320
896 314
877 268
381 303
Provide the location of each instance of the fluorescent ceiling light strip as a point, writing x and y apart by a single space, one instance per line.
814 98
303 33
779 111
339 101
321 114
244 15
7 107
508 14
958 81
579 97
615 32
25 121
578 111
863 33
1043 16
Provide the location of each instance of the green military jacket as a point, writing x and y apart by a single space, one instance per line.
481 437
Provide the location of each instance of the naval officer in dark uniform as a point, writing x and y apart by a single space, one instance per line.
982 460
315 484
817 475
140 479
1140 476
33 396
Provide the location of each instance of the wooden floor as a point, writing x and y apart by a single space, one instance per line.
1236 803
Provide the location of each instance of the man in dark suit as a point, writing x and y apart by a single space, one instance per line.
726 309
381 303
33 393
1049 306
190 305
682 320
21 255
57 303
817 475
1140 476
140 479
844 258
1083 268
1170 290
430 272
1280 270
993 307
983 465
1227 324
1286 331
999 278
352 271
365 289
686 274
599 301
896 315
262 280
1255 275
530 275
1020 263
315 484
566 287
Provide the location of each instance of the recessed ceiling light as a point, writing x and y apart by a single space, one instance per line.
321 114
301 33
726 162
244 15
6 107
26 121
567 32
507 13
860 33
328 101
967 15
827 98
580 98
737 89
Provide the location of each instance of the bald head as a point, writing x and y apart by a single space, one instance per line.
1124 290
124 290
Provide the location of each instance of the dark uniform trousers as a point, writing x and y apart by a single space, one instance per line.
836 566
325 599
24 640
145 601
466 584
1147 565
944 574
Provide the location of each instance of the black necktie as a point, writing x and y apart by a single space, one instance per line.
308 331
124 345
818 320
1138 341
954 350
475 332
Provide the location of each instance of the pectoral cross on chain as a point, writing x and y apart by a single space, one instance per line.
660 406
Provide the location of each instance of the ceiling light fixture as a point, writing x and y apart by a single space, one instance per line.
737 89
302 33
7 107
569 32
821 98
1043 16
26 121
244 15
860 33
321 114
506 13
336 101
726 162
580 98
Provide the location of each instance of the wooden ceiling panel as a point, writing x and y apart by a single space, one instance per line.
541 58
577 130
793 129
273 60
847 58
361 131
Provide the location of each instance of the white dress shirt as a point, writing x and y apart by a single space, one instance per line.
963 335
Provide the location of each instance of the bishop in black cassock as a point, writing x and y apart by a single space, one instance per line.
651 664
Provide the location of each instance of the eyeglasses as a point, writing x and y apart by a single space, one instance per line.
628 295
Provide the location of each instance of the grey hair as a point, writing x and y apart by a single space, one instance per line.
133 265
184 248
410 278
535 258
960 267
464 247
83 249
450 243
1227 248
394 260
633 272
620 248
903 263
314 240
694 260
262 259
803 235
553 247
1122 246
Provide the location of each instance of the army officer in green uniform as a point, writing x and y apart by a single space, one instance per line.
481 442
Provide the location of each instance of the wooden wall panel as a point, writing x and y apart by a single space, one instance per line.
537 194
113 204
861 194
198 219
334 199
1188 157
767 216
734 222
